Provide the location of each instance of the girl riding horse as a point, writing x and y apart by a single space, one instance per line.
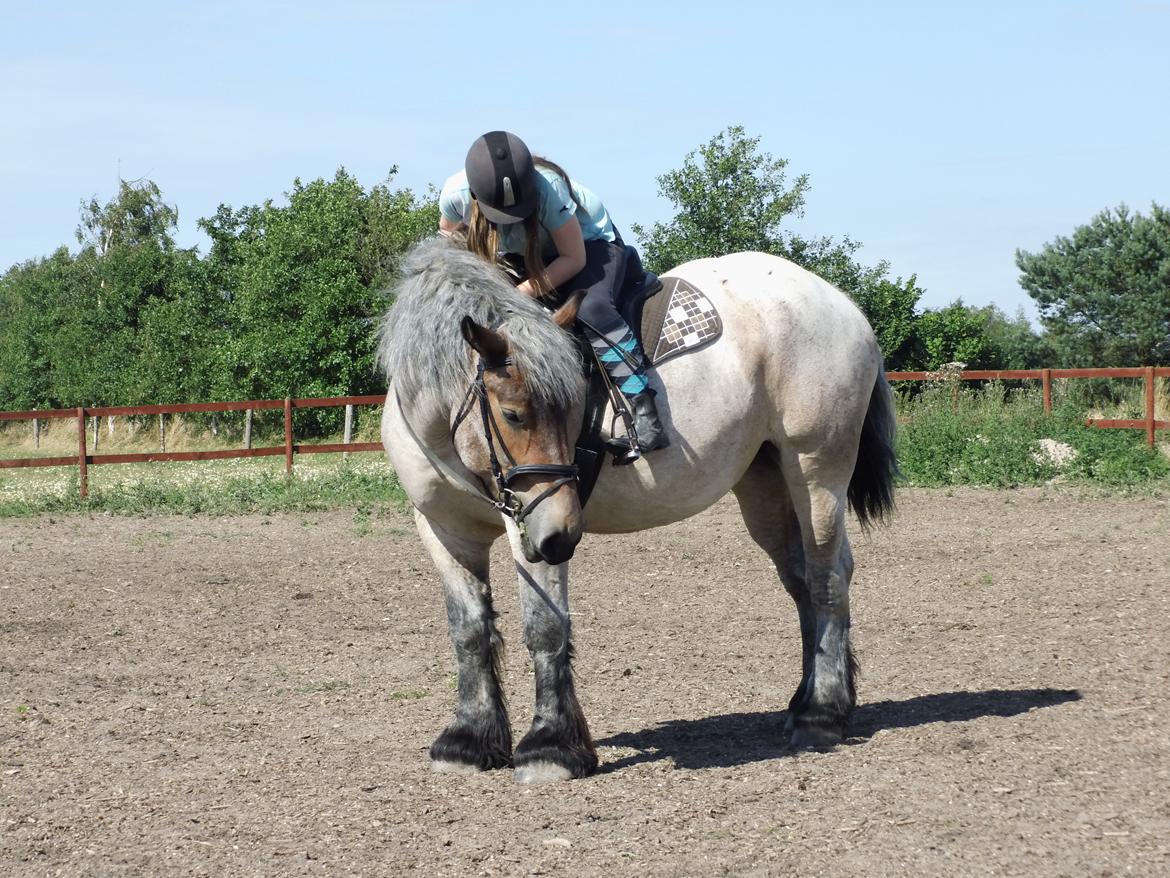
561 237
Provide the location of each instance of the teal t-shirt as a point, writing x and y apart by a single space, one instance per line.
554 207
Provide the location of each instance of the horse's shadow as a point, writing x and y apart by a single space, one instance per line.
741 738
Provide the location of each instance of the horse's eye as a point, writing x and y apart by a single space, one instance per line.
512 417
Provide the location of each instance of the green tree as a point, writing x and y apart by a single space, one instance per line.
730 197
125 267
953 334
180 337
1104 292
1016 344
982 337
304 284
29 304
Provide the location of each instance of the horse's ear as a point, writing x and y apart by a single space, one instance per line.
567 313
490 345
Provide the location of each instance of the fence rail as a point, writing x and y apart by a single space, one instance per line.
83 459
1148 374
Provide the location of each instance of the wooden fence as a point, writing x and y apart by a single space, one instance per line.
1045 377
83 459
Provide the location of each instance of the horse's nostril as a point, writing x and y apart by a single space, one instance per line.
558 548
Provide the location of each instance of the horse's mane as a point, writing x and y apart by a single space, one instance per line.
422 349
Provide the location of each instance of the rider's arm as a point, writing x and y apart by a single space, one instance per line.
570 259
453 203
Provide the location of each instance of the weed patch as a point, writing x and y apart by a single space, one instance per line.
993 437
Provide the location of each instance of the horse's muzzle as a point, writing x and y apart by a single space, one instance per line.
557 548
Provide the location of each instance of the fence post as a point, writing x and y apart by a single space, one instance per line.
1150 405
83 472
288 439
248 429
1046 382
348 428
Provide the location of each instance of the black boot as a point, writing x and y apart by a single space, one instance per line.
647 426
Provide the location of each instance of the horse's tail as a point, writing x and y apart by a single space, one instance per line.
871 487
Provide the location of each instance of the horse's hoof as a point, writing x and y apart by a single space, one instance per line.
544 754
461 750
542 772
806 736
444 766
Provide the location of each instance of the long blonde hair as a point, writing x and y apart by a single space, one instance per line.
483 238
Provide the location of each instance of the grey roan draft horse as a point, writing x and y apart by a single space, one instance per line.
790 410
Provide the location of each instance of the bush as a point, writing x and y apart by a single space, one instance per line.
990 436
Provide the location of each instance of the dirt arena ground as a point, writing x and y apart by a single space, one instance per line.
256 695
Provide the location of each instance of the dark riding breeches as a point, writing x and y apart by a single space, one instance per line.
611 338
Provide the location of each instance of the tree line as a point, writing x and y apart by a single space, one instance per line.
286 299
284 302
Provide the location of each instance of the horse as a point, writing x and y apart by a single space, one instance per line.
789 410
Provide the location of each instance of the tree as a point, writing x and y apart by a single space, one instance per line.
29 305
1016 344
180 336
953 334
126 265
730 197
1104 292
304 284
982 337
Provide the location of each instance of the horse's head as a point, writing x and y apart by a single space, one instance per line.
522 444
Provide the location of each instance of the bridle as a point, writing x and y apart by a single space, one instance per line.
506 500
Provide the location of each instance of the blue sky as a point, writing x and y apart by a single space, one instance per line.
941 136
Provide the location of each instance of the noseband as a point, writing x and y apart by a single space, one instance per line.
506 500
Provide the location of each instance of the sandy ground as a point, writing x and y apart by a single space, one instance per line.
256 695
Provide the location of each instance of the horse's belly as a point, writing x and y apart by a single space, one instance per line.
707 456
629 511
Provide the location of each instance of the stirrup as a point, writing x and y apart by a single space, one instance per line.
624 450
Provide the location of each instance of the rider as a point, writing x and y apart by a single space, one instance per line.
559 233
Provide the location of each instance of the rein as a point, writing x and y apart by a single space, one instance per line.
506 502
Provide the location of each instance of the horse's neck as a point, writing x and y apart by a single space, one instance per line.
430 420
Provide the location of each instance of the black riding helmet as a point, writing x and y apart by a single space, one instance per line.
502 177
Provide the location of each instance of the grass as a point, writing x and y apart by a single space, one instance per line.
363 482
990 436
227 487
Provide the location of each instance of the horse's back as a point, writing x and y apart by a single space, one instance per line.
786 302
805 336
795 366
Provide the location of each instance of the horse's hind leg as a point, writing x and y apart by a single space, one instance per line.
802 528
558 746
480 736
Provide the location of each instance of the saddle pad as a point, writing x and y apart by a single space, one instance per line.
677 320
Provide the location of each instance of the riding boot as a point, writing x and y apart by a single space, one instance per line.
647 426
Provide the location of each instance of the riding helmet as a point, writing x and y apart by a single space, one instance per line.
502 177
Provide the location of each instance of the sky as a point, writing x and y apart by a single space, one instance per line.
942 136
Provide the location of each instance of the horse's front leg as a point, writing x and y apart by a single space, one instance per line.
479 737
558 746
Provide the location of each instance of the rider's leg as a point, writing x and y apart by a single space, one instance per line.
612 339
